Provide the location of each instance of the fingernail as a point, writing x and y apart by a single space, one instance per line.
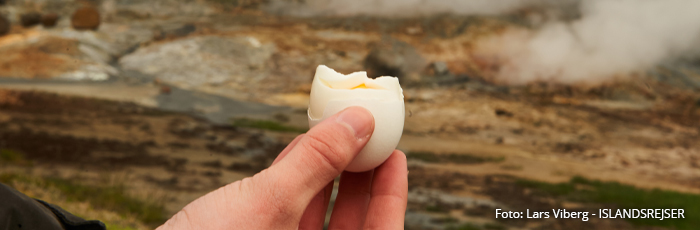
359 120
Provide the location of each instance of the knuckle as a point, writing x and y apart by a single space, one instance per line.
327 153
181 219
364 192
279 205
274 201
246 184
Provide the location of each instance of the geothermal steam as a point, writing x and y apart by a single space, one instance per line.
613 38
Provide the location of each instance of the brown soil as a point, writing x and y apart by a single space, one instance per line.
41 60
161 151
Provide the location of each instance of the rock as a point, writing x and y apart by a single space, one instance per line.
4 25
159 8
184 30
86 18
165 89
30 19
394 58
503 112
439 68
59 54
203 60
49 20
174 32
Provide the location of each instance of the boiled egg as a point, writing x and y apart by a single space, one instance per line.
331 92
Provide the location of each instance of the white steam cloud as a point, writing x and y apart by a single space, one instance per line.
607 39
613 38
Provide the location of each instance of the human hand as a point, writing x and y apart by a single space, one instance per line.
295 191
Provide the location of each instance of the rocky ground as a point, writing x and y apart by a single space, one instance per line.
147 101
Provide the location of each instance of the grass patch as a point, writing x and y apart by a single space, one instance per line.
512 167
623 196
445 220
112 197
466 226
470 226
10 156
451 158
266 125
492 226
436 208
13 157
111 226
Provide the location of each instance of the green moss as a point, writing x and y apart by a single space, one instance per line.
623 196
445 220
512 167
470 226
109 197
451 158
436 208
10 156
492 226
111 226
266 125
466 226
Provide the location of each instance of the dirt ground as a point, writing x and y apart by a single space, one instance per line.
641 131
159 152
180 157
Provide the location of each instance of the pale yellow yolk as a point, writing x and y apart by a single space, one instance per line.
361 86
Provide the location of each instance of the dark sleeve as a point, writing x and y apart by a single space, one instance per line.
18 211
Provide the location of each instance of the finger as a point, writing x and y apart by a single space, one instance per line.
387 206
288 148
319 156
315 214
350 207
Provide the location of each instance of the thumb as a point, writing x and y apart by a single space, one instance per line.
320 156
276 197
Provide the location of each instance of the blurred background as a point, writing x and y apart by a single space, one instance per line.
125 110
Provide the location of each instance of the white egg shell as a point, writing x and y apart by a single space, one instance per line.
384 100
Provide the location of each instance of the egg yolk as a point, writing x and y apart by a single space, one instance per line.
361 86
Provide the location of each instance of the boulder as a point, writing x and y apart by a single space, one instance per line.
395 58
86 18
30 19
203 61
4 25
439 68
49 20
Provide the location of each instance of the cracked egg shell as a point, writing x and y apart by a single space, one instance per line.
331 92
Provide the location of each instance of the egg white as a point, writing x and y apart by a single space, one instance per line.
331 92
